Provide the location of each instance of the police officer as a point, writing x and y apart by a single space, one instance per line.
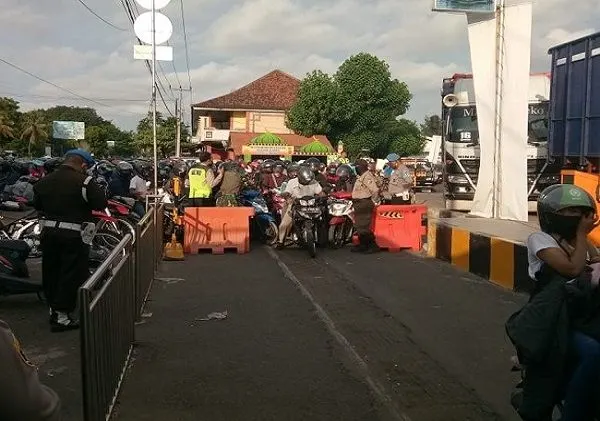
364 195
201 181
400 182
65 200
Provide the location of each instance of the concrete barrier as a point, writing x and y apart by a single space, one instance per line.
499 260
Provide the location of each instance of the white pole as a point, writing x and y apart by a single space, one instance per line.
179 115
496 194
154 97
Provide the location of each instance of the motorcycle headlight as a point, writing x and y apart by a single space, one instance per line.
308 202
260 207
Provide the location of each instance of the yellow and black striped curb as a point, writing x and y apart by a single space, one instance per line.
499 260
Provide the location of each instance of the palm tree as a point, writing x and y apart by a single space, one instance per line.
6 128
34 131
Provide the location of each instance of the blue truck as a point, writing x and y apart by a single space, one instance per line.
574 114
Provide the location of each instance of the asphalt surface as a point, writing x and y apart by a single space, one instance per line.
385 337
379 337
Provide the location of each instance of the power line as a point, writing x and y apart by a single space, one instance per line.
17 95
185 40
14 66
100 17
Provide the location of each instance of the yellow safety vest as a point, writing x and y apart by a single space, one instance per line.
199 188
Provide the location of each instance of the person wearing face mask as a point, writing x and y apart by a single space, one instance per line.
65 200
559 257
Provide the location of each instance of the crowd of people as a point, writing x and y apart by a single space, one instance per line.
209 183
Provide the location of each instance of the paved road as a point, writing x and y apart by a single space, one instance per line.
386 337
383 337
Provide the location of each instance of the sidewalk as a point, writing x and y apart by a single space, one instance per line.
271 359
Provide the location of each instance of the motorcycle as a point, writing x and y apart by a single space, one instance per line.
263 223
14 274
307 216
276 203
341 219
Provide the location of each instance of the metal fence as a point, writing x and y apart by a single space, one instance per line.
107 317
145 258
111 301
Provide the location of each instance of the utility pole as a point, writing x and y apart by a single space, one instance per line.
178 128
179 115
154 97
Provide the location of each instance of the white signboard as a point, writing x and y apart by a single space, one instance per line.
144 52
70 130
468 6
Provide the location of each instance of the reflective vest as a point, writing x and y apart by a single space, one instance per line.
199 188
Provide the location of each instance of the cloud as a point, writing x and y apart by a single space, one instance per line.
232 42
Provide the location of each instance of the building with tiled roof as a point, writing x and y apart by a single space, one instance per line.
234 119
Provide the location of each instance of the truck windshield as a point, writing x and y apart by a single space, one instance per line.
463 124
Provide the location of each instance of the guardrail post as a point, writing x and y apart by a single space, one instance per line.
137 271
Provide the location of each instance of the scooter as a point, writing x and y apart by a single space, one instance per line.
263 223
341 219
307 215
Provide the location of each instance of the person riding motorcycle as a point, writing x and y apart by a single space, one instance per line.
316 166
345 178
118 184
558 331
301 186
272 175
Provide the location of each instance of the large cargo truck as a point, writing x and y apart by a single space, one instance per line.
461 141
574 127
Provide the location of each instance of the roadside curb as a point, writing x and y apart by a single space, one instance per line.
501 261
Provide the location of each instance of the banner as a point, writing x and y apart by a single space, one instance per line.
502 181
69 130
272 150
468 6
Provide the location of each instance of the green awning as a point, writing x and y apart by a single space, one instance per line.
267 139
316 147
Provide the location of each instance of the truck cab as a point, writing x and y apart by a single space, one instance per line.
461 140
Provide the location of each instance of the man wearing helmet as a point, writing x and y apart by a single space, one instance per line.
317 167
120 180
65 200
559 254
301 186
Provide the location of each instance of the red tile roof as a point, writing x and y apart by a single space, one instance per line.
274 91
297 141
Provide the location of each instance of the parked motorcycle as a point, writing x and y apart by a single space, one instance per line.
14 274
307 215
263 223
341 219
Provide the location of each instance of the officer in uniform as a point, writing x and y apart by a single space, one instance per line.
364 194
400 182
201 181
65 200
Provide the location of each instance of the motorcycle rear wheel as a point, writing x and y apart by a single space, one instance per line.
311 244
271 233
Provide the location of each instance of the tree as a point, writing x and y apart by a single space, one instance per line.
405 138
432 126
35 131
356 105
166 134
314 110
6 129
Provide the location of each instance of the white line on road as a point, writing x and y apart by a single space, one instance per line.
377 389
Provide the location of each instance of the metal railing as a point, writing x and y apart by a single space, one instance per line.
158 242
107 316
145 258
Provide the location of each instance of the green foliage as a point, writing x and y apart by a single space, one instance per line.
432 126
314 111
166 135
359 105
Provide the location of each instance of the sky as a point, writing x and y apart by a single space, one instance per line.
233 42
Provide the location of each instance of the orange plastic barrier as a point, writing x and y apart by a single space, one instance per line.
398 227
217 229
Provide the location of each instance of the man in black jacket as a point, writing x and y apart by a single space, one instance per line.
65 200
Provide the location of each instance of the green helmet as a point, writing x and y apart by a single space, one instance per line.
557 198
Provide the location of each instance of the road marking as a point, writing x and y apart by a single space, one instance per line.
377 389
